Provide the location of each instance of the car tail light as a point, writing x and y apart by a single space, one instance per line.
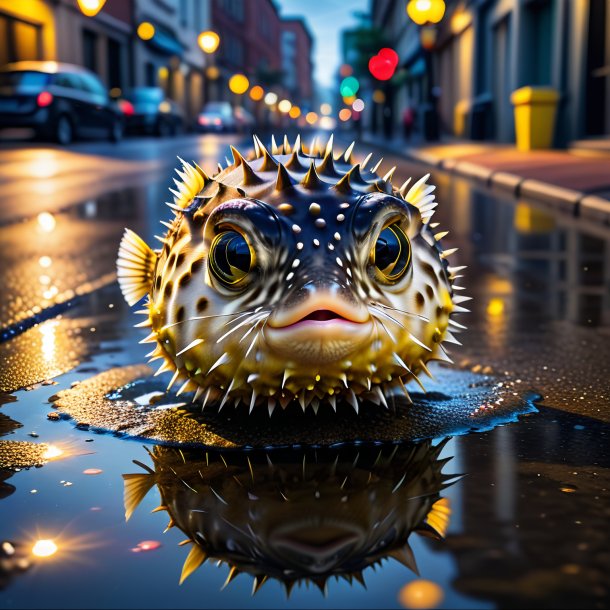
44 99
217 121
126 107
203 120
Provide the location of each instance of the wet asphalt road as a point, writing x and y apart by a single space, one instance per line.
540 318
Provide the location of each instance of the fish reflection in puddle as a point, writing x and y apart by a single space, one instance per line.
299 515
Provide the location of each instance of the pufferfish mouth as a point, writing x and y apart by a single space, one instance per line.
319 311
323 328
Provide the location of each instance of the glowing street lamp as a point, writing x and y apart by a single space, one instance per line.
284 106
426 11
146 30
90 8
208 41
44 548
239 84
257 93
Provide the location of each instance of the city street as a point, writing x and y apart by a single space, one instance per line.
537 276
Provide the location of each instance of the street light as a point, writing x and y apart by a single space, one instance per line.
239 84
426 11
208 41
146 30
90 8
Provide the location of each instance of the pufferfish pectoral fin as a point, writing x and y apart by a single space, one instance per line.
135 267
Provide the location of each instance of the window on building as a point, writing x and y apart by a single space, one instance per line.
89 49
114 63
197 15
233 51
184 12
19 39
234 8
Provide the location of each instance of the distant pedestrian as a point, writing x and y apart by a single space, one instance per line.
408 120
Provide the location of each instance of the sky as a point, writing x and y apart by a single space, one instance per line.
326 19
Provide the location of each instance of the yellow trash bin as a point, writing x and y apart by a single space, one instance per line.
535 109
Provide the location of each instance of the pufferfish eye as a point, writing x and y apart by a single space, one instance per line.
231 257
392 253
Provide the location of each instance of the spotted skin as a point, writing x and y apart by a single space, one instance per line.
312 221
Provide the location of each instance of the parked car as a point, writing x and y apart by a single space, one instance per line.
216 116
148 110
59 101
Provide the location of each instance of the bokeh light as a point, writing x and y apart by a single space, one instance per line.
328 123
325 109
239 84
146 30
284 106
424 11
257 93
90 8
381 68
358 105
44 548
295 112
346 70
348 100
46 222
212 72
390 55
208 41
420 593
378 96
345 114
349 86
270 98
495 307
311 117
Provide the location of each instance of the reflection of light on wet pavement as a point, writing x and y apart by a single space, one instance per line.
495 307
44 548
44 165
146 545
47 330
53 451
421 593
46 222
50 293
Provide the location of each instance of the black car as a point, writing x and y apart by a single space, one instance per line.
59 101
148 110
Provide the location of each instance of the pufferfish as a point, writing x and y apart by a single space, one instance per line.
295 275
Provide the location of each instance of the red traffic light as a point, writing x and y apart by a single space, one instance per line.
389 54
381 68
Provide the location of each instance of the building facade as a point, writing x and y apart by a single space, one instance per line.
297 68
483 50
171 58
249 33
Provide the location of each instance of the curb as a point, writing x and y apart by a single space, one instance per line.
575 203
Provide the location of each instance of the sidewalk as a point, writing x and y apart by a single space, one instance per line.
574 180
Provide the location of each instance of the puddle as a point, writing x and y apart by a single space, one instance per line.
459 402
